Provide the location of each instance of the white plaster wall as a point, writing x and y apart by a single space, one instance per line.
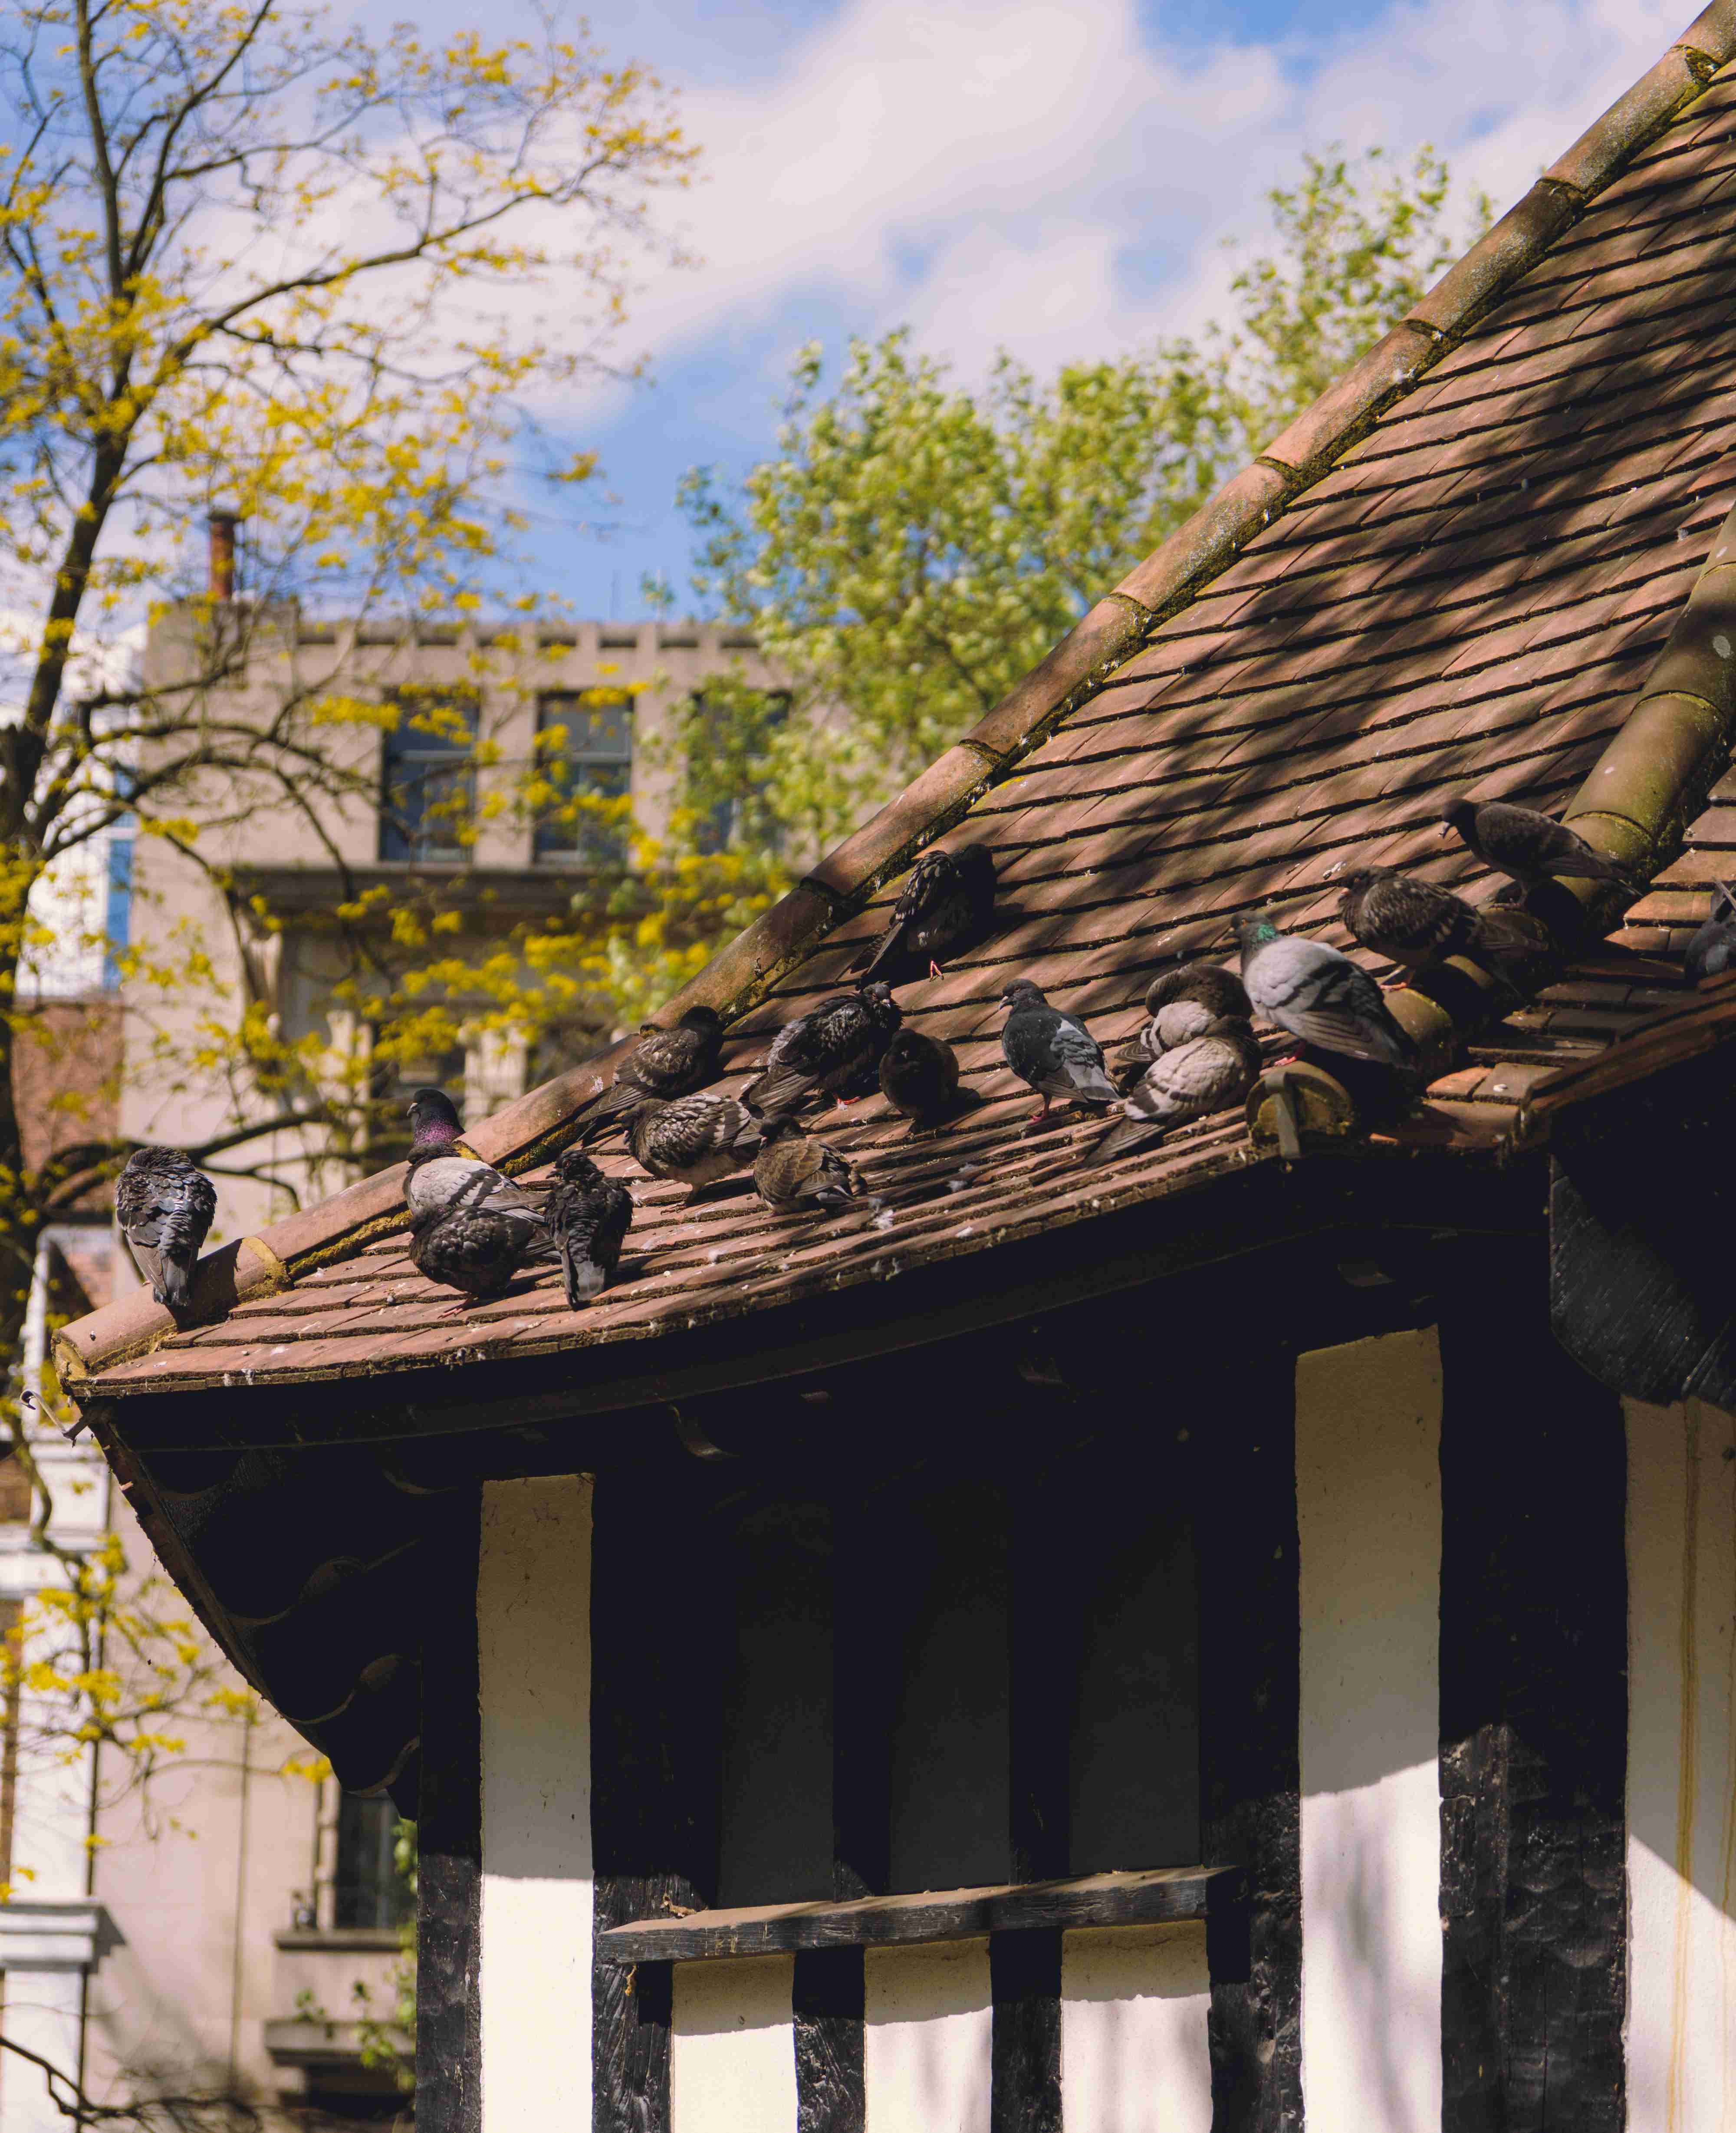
1368 1420
731 2067
927 2040
1681 1769
1135 2057
533 1631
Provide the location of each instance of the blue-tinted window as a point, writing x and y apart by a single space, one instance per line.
585 752
428 791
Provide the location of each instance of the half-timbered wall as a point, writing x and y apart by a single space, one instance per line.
1486 1631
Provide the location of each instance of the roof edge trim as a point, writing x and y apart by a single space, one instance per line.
1102 641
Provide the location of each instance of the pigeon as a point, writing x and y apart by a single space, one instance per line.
470 1227
1319 995
792 1171
697 1140
827 1048
1183 1003
1051 1053
665 1063
588 1216
1526 846
1209 1072
1410 922
945 903
919 1077
1712 952
165 1206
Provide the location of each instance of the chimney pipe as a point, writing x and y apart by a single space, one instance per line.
221 526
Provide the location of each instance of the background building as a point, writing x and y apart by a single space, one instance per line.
211 1940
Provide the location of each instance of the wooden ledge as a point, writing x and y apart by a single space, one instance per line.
1160 1896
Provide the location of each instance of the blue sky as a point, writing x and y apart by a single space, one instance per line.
1059 177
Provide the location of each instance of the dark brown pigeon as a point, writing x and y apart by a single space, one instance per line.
919 1077
825 1049
165 1206
698 1140
1526 846
588 1216
793 1171
946 902
665 1063
1410 922
1210 1072
471 1228
1051 1053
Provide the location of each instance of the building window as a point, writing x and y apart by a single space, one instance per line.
728 734
584 764
369 1892
428 785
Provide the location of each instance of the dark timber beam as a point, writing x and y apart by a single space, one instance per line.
1533 1725
1159 1897
1250 1645
448 1828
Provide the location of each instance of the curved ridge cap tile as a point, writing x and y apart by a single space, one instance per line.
1111 633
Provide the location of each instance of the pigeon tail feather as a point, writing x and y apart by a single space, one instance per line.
1123 1139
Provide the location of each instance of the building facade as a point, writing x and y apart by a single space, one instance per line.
436 809
1238 1635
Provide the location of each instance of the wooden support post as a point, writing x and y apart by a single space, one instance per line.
1533 1725
830 2095
654 1790
1025 2085
449 1908
1250 1633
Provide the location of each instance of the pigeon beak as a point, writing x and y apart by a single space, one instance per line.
1446 829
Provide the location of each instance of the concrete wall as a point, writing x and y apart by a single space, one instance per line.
1135 2057
199 1875
732 2046
533 1629
928 2034
1368 1423
1681 1769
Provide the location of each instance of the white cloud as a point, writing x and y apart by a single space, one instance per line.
991 171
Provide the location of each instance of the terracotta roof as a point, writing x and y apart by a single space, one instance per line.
1461 568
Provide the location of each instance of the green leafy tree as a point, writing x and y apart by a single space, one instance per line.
915 548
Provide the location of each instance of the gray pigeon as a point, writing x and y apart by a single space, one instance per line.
1526 846
1317 994
827 1050
165 1206
665 1063
945 903
793 1171
1712 952
1210 1072
698 1140
1051 1053
470 1227
588 1216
